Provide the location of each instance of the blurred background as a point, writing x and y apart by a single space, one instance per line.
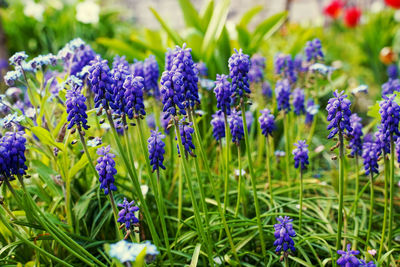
361 37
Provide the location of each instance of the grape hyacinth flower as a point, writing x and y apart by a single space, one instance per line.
311 110
283 234
370 155
339 114
355 142
201 69
266 89
76 107
12 154
236 126
172 91
284 66
137 69
117 61
313 50
127 214
118 74
239 65
164 120
156 150
391 86
106 169
390 117
183 63
76 55
363 263
218 124
151 74
282 92
249 119
382 144
398 149
256 72
186 132
169 57
151 121
300 154
348 258
100 82
298 101
133 96
267 122
393 71
222 92
298 64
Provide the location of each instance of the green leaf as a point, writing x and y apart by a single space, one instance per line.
206 15
82 162
171 33
45 137
248 16
190 14
266 28
81 207
139 262
214 29
45 172
244 36
373 111
120 47
195 256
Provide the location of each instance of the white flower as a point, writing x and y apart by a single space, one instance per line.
372 252
88 12
34 10
237 172
144 189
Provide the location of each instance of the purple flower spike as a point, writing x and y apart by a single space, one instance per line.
118 74
239 66
283 234
266 89
137 69
222 92
12 154
391 86
151 74
218 124
370 155
284 66
117 61
390 116
106 169
168 59
282 92
313 50
300 154
76 107
355 141
133 96
127 214
311 110
236 126
298 101
172 91
186 131
156 150
348 257
392 71
202 69
338 114
100 82
256 72
267 122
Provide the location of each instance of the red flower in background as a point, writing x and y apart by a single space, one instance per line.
393 3
333 9
352 16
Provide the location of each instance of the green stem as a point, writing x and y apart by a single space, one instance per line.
357 183
135 180
287 152
253 182
341 188
214 187
391 183
301 199
227 153
371 208
385 208
239 182
269 172
191 192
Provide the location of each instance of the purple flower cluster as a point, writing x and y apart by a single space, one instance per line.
127 214
311 110
100 82
76 55
282 92
355 142
381 140
172 91
267 122
338 114
18 58
266 89
256 72
391 86
106 169
313 50
370 154
392 71
298 101
390 116
218 124
169 57
186 132
133 96
151 74
284 66
118 74
156 150
201 69
222 92
348 259
137 69
12 154
117 61
76 107
239 65
236 126
283 234
300 154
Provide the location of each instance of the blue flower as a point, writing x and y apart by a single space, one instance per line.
239 66
322 69
76 56
201 69
118 74
169 57
151 74
156 150
236 126
282 92
127 214
12 154
100 82
137 68
391 86
12 76
267 122
186 132
355 142
370 155
367 264
133 96
284 66
283 234
18 58
125 251
106 169
218 124
256 72
298 101
348 257
266 89
151 121
313 50
382 141
117 61
222 92
298 64
311 111
300 154
42 61
76 107
392 71
172 91
390 116
338 114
